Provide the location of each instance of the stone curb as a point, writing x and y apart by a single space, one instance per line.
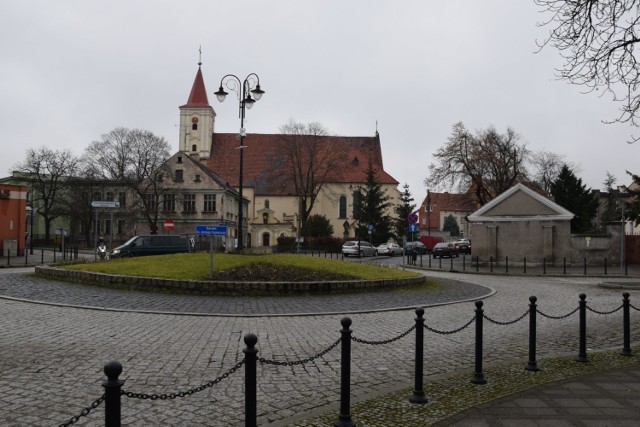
201 287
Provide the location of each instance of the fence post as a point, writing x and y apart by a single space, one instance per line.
421 260
605 266
478 376
41 256
491 264
8 256
418 392
525 265
532 365
506 264
112 392
344 420
582 356
429 260
451 263
564 265
440 262
250 399
464 261
626 349
477 263
585 266
544 265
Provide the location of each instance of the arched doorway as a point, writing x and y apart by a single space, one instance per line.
266 239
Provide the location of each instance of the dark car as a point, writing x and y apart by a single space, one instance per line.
463 246
417 247
445 249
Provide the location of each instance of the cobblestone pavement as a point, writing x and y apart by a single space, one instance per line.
51 357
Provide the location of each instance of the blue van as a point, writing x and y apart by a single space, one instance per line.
155 244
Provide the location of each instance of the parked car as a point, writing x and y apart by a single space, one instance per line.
358 248
430 241
418 247
156 244
463 246
390 249
445 249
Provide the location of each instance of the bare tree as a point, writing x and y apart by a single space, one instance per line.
597 41
136 158
546 167
484 165
310 159
49 172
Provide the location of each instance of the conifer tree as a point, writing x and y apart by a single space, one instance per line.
371 210
570 193
402 211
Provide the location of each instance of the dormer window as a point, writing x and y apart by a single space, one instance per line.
179 159
197 178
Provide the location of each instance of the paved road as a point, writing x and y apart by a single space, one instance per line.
51 357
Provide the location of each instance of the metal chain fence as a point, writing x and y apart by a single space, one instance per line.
171 396
84 412
564 316
302 361
605 312
454 331
390 340
506 323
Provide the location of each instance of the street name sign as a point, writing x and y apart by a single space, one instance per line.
211 230
103 204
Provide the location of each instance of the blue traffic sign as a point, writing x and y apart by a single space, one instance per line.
413 228
211 230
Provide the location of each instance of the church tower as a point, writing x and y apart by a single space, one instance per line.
197 120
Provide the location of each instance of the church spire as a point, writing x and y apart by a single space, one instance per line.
198 95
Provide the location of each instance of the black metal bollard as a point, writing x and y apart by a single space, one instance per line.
54 254
544 265
429 260
41 256
344 420
112 393
420 260
250 381
582 355
8 256
440 262
464 258
626 322
477 263
491 264
506 264
605 266
451 263
478 376
418 391
585 266
532 365
525 265
564 265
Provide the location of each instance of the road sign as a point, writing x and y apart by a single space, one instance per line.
413 228
168 224
211 230
412 218
102 204
370 228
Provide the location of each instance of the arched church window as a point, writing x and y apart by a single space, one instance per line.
194 126
194 147
266 203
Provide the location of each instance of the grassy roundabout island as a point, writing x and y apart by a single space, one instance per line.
282 273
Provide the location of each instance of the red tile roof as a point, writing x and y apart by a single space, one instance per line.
198 95
265 166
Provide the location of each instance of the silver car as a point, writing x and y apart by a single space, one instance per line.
390 249
361 248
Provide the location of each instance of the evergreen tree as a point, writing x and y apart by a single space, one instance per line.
633 212
402 211
613 209
570 193
317 226
451 225
372 209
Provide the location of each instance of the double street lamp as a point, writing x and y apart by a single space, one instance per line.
244 90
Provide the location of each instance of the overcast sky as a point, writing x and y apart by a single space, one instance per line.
71 71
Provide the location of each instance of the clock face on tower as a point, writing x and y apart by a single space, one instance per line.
194 120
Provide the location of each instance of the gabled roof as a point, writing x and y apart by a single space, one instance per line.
211 174
508 206
265 165
450 202
198 95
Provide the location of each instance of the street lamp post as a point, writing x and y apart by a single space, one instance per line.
244 90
